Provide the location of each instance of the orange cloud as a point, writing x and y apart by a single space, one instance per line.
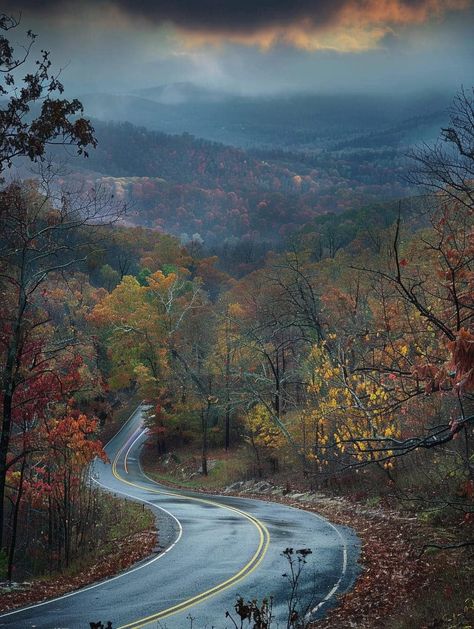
345 25
354 27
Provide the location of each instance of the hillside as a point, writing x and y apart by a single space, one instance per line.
290 121
263 167
184 184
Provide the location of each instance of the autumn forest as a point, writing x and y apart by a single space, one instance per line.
287 315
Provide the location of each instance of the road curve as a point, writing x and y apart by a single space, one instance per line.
213 549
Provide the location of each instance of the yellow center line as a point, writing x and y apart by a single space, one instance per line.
248 568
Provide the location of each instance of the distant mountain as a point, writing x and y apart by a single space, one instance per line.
293 122
183 184
185 92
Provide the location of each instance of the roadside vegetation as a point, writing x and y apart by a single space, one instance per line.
126 535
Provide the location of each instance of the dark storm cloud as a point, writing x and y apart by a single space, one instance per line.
235 15
251 15
213 14
262 47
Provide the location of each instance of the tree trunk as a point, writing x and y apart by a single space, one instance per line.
4 443
257 458
227 398
11 552
227 426
9 378
8 388
204 422
277 386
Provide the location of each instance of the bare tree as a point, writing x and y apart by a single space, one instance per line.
447 167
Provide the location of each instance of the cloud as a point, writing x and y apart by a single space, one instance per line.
344 25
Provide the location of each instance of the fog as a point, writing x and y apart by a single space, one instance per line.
337 48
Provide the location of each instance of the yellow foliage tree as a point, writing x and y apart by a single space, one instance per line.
263 435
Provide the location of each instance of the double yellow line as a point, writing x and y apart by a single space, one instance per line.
250 566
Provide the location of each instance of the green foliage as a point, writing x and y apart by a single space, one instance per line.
143 275
169 268
109 277
373 502
434 515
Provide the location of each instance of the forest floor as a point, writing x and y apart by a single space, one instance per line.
401 584
131 538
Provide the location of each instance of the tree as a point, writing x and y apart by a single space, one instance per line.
223 361
268 340
42 236
263 435
447 167
69 449
134 338
395 374
439 291
432 311
39 234
31 114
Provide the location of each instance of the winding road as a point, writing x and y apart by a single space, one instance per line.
212 549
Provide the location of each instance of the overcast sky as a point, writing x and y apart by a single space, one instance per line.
254 47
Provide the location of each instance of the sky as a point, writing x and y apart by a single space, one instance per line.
255 47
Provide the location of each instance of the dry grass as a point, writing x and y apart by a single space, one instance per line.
182 468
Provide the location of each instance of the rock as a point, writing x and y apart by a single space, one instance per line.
13 586
295 496
211 464
234 487
262 486
169 458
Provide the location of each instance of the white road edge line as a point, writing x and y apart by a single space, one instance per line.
142 403
140 434
336 586
119 576
344 566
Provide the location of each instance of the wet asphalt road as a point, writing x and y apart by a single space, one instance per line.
212 549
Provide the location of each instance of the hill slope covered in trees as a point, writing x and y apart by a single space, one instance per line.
184 184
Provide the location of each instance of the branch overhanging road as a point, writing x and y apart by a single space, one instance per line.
212 549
